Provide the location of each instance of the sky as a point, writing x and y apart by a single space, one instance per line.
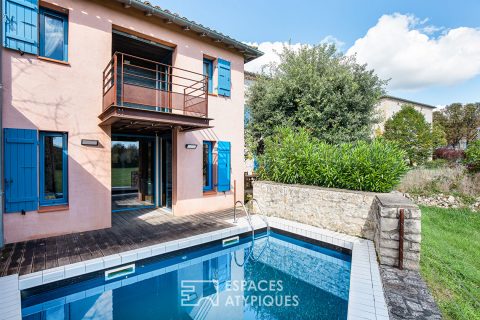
428 49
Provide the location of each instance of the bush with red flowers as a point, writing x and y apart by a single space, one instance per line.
449 154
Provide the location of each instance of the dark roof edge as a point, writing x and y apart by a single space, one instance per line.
408 101
249 53
251 75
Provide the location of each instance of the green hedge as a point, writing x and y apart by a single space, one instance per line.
472 156
293 156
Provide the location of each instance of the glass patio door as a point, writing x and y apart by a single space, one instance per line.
133 180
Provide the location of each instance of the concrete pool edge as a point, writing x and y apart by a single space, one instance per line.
366 296
10 302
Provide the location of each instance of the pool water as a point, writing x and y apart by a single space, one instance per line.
273 277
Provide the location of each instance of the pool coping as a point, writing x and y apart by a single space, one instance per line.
366 296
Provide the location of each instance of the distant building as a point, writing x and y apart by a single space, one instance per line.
463 144
249 79
390 105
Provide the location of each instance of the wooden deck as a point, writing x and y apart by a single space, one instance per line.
130 230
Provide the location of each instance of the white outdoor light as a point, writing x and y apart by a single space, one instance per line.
89 142
191 146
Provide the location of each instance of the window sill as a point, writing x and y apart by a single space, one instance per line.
213 94
65 63
209 193
62 207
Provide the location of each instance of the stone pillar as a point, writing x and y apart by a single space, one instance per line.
386 230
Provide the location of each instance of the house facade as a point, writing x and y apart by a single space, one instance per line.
389 105
115 105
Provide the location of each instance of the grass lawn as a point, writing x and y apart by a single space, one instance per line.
121 177
450 261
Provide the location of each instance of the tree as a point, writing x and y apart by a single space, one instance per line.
472 121
439 138
319 89
472 156
459 122
409 129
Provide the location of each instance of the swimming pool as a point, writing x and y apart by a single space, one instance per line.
276 276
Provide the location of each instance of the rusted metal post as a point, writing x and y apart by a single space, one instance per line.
184 99
123 82
400 238
170 87
115 82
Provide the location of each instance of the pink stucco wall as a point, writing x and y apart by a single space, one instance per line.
50 96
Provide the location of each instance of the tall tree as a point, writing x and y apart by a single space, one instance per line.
319 89
459 122
472 121
411 132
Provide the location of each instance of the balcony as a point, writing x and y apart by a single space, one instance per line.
144 95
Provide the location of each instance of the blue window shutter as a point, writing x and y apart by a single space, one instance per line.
20 25
223 166
21 170
224 74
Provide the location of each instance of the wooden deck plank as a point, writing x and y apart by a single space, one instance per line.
130 230
5 256
39 255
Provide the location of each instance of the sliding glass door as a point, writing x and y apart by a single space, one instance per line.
133 174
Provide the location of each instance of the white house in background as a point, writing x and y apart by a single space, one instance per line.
463 144
390 105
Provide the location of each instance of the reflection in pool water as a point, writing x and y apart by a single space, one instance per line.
281 278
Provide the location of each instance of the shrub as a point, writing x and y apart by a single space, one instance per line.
436 164
294 156
446 180
449 154
472 156
409 129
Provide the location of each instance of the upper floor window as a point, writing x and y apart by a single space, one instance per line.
208 71
53 34
53 168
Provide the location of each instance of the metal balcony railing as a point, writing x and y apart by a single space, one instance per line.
130 81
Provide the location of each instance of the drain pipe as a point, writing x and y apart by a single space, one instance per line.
1 137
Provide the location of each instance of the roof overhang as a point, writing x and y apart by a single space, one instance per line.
249 53
139 120
406 101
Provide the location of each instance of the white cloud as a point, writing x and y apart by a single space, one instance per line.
332 40
432 29
272 49
401 47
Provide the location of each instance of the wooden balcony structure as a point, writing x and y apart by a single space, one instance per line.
144 95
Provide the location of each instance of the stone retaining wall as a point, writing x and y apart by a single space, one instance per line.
345 211
387 234
373 216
